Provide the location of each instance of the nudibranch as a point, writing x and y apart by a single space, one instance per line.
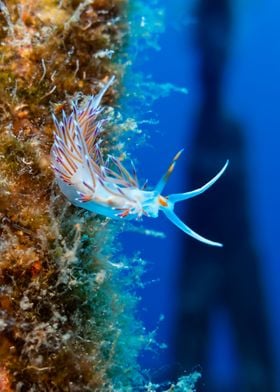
106 187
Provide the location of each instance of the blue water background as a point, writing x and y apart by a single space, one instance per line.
252 96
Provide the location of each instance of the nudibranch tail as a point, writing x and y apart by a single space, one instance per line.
174 198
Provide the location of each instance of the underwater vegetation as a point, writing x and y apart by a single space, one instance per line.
67 310
67 294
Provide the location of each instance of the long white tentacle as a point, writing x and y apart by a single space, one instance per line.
170 214
187 195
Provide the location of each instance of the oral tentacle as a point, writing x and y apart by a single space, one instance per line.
174 198
170 214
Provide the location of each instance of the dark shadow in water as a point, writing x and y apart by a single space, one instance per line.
229 277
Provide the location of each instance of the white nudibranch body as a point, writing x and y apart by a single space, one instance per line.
106 187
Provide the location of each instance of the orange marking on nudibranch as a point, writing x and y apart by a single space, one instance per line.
125 213
162 201
85 198
170 169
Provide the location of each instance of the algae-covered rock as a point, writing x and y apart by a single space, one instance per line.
67 319
67 295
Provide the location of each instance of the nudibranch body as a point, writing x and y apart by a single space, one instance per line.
106 187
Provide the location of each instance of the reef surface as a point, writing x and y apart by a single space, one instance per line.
67 295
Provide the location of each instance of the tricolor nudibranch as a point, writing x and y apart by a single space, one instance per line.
106 187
